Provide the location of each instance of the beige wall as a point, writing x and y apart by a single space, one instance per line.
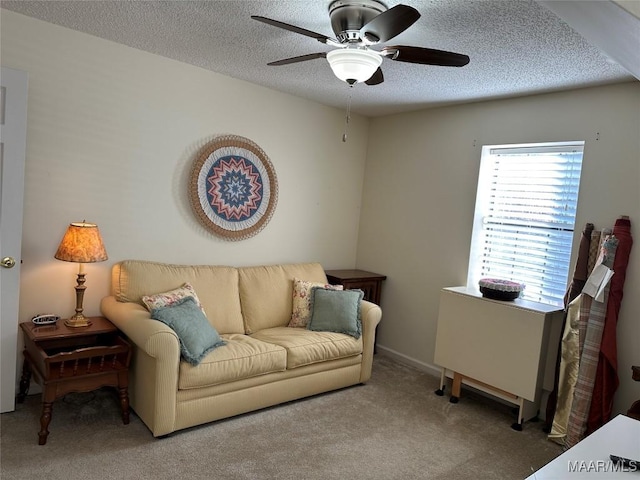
112 133
420 187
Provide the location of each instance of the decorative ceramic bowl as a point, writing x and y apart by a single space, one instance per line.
498 289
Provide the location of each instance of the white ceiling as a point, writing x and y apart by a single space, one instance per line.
517 47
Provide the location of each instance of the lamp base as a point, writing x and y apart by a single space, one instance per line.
77 320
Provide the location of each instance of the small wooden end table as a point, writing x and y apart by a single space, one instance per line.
370 283
65 359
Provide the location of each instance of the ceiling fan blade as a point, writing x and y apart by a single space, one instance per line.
390 23
377 78
292 28
425 56
301 58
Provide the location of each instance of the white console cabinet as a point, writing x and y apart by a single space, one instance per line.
505 348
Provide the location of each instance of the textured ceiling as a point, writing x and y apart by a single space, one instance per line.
517 47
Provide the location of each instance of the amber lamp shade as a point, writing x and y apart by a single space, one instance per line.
81 244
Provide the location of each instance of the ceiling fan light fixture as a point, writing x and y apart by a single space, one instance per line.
353 65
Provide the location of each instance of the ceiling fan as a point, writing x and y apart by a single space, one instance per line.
359 25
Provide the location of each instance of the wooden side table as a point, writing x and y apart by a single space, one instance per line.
64 360
370 283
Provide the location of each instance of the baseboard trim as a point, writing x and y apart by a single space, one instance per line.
402 358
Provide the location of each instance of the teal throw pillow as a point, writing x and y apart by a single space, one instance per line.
336 311
197 336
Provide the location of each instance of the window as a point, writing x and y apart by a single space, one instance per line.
525 217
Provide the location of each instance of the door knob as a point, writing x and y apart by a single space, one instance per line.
8 262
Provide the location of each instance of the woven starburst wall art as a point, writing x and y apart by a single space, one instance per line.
233 187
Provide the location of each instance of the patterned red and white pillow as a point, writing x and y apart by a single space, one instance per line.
302 301
166 299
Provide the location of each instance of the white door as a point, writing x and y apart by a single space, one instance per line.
13 134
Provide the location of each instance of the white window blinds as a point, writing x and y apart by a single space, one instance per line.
525 217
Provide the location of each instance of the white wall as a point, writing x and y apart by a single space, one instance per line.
112 133
420 187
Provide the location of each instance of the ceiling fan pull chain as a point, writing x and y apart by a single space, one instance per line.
347 117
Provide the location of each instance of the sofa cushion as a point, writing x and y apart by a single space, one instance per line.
166 299
301 305
217 288
242 357
305 347
334 311
266 292
197 336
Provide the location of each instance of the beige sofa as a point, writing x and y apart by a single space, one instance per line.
263 363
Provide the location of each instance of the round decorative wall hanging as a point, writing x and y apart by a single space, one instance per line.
233 187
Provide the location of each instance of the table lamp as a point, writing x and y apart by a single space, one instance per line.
81 244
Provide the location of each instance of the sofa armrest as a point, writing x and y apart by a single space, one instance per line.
370 314
154 337
155 364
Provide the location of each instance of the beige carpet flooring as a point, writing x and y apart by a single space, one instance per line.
394 427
